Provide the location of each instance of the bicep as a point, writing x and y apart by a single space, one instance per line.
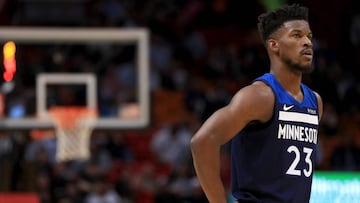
221 126
251 103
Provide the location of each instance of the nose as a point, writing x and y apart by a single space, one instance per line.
307 42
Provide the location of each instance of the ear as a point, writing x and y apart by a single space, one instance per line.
273 45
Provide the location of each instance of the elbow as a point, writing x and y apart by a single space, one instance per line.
195 142
201 142
204 142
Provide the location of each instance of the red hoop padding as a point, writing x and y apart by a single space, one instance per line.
67 117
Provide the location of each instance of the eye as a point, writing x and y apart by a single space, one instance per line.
297 35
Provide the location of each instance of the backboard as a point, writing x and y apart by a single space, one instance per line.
107 69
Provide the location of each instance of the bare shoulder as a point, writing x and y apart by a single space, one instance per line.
256 91
256 101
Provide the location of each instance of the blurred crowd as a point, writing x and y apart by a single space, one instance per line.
201 53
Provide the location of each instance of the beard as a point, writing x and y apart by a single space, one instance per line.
298 66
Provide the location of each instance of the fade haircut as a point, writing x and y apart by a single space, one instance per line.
271 21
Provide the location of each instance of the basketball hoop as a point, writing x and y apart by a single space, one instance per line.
73 127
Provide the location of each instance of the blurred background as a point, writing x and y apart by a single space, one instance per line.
201 53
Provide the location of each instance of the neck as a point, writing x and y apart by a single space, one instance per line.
290 80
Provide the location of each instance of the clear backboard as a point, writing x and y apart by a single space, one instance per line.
106 69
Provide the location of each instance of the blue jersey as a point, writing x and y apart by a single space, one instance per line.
274 161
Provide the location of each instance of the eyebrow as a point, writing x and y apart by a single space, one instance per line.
300 31
296 30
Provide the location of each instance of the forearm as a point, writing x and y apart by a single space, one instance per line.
206 158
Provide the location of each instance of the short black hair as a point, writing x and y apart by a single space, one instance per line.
270 21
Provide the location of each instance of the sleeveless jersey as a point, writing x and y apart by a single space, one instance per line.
274 162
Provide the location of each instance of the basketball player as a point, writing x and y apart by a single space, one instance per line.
272 123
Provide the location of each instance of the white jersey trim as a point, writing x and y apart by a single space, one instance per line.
298 117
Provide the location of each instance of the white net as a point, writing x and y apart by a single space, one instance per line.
73 127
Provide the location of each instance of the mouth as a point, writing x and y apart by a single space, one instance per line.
307 52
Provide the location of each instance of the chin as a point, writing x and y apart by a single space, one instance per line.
304 68
308 68
300 66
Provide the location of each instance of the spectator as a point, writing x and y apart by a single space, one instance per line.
171 144
346 157
8 154
101 192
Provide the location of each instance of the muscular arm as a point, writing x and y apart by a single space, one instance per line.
320 105
252 103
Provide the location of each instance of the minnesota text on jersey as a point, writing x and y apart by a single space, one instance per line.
298 132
